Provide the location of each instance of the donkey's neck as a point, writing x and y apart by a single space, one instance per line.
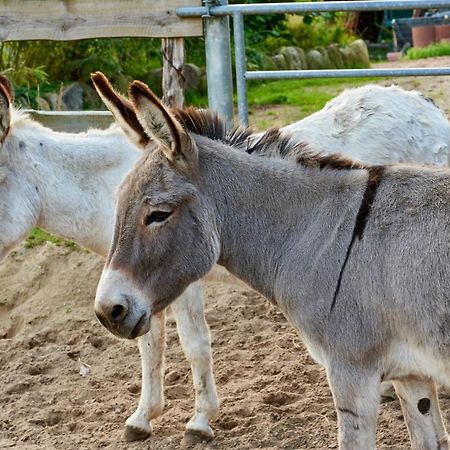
76 176
278 221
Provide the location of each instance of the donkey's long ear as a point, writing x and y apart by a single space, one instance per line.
122 110
6 98
161 125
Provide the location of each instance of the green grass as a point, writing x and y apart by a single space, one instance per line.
281 102
310 94
438 49
40 237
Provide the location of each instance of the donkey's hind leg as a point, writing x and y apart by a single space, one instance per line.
151 402
194 336
356 393
423 418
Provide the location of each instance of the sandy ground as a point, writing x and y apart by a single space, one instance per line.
273 395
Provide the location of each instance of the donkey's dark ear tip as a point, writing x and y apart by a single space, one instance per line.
98 76
138 88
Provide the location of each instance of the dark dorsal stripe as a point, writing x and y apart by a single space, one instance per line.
375 176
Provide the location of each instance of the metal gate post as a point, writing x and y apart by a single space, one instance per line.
241 65
218 63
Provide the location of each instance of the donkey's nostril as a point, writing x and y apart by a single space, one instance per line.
118 312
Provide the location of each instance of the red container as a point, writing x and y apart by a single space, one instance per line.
442 32
423 36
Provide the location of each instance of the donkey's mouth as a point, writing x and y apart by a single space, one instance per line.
139 328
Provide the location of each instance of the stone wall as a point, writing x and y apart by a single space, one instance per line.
352 56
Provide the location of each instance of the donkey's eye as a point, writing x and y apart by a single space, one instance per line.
157 216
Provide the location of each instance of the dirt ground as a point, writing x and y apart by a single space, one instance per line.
273 395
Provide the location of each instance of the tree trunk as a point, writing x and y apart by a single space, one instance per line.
173 80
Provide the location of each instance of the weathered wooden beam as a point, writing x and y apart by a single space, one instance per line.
83 19
173 79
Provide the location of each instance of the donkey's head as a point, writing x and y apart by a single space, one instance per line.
18 197
164 237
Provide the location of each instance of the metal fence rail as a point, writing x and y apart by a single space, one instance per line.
300 8
242 75
72 121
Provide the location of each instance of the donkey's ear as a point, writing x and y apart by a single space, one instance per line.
160 124
6 98
122 110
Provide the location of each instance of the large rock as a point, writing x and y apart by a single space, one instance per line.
335 56
346 58
72 97
326 59
279 62
302 56
55 101
360 53
42 104
91 100
192 75
315 60
293 58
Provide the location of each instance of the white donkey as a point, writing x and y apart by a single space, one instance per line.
356 257
65 183
378 125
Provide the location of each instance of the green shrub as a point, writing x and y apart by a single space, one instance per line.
438 49
319 30
75 60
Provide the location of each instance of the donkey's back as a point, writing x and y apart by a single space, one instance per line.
413 127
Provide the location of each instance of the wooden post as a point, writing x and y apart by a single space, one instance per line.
173 78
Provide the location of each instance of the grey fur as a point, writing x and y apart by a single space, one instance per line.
285 228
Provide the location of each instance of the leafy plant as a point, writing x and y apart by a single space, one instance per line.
75 60
319 29
438 49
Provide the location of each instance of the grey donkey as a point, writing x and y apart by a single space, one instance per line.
356 257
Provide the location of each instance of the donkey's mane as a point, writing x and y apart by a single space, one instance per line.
209 124
273 143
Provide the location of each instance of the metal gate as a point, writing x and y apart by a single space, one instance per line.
218 55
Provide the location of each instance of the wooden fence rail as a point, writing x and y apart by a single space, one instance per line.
65 20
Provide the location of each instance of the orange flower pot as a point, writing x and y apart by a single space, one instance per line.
423 36
442 32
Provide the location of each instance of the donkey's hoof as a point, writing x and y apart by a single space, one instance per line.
192 437
132 433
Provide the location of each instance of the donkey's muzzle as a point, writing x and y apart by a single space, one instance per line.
112 312
118 307
117 319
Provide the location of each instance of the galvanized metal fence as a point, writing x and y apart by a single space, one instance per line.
218 57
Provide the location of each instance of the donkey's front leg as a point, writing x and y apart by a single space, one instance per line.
151 402
193 331
423 418
356 393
